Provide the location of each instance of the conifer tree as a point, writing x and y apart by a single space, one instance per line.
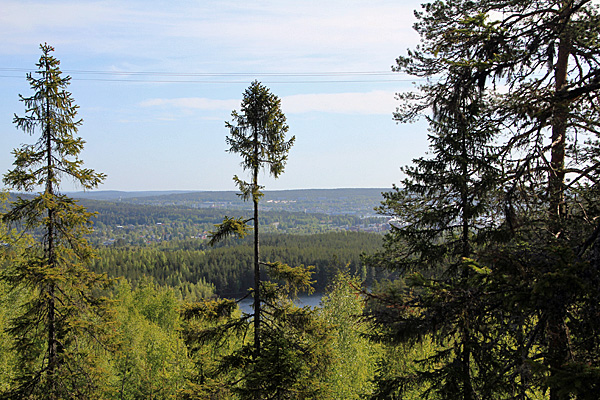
537 64
257 133
442 213
290 343
56 328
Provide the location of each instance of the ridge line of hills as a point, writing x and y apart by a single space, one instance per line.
290 193
351 201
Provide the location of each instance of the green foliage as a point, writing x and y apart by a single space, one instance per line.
495 234
444 214
151 361
295 347
257 134
295 278
212 330
398 369
490 215
229 227
11 301
247 190
289 343
197 271
294 355
354 356
56 330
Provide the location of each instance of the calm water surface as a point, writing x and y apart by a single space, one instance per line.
312 301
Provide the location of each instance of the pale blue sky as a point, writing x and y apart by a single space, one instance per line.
155 81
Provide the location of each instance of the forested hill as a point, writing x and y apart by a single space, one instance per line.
163 235
189 265
137 224
359 202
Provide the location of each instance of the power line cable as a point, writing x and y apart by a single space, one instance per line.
360 76
163 73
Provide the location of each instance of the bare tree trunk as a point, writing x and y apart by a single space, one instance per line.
465 252
257 293
51 258
556 184
558 344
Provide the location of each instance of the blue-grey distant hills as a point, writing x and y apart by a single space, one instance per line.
115 195
355 201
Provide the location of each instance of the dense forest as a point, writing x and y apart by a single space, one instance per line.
226 267
484 285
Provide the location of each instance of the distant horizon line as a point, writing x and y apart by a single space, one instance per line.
214 190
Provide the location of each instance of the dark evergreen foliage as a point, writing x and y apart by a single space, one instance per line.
533 68
193 268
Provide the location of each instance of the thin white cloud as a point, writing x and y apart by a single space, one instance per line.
271 35
308 24
374 102
29 23
28 16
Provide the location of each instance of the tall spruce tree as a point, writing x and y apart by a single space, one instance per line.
257 133
289 350
57 326
538 63
442 213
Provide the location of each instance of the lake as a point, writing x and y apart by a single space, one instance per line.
312 301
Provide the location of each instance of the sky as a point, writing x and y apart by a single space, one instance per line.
156 80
